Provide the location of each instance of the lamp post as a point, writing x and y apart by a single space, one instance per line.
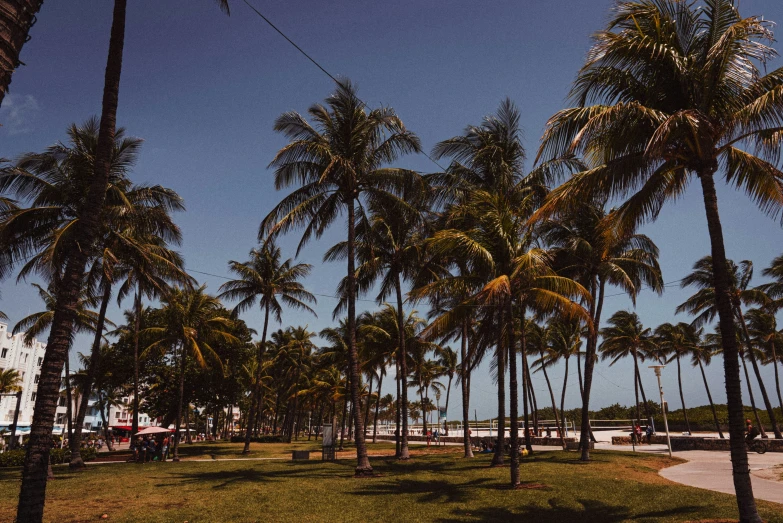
657 369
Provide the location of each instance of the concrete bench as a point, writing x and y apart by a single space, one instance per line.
300 455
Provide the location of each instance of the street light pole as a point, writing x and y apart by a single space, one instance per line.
657 369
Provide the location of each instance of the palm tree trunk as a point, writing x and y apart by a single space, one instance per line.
526 398
513 391
562 400
552 397
592 342
256 394
342 423
579 372
402 358
424 405
497 458
448 393
777 377
188 438
69 399
367 405
682 397
739 453
532 392
180 403
465 394
16 19
752 398
755 365
709 397
636 387
397 438
136 329
32 494
377 407
363 467
106 435
644 396
92 369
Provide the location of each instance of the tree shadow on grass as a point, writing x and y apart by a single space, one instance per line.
227 478
592 511
431 491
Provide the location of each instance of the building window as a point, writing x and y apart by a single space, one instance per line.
37 377
60 420
62 401
40 361
23 358
117 415
4 354
33 395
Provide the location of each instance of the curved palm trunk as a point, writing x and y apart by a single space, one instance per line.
363 467
92 368
562 402
403 375
752 398
180 402
532 392
592 342
644 396
739 454
682 397
136 328
526 396
497 458
709 397
16 19
256 394
32 495
465 393
636 387
448 393
777 377
513 392
554 403
579 373
755 365
377 408
106 435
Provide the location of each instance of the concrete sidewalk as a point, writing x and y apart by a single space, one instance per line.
712 470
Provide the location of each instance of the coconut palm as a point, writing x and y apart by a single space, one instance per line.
675 342
10 381
17 17
626 336
762 327
190 325
268 280
563 339
586 250
672 91
704 305
447 359
340 161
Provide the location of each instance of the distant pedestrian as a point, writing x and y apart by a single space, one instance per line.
649 433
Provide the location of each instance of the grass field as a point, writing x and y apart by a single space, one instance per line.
438 487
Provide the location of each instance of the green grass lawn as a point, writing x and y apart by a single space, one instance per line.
432 488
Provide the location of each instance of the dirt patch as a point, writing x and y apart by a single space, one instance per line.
770 474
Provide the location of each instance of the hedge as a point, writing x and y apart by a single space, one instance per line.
15 458
257 439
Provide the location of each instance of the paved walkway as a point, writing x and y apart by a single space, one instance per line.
712 470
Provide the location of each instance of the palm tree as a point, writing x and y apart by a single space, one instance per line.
762 327
704 305
10 381
16 17
190 324
677 93
675 342
268 280
340 162
586 250
297 352
563 340
447 359
625 337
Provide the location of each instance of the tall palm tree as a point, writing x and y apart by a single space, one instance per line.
670 91
587 250
701 355
390 250
447 359
190 325
17 17
340 161
675 342
762 327
704 305
268 280
626 336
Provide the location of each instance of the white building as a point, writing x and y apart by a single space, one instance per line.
27 360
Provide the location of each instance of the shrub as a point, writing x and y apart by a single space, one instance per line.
15 458
257 439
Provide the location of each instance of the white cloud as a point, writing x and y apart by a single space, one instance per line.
18 113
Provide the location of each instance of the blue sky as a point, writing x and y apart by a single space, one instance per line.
203 89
